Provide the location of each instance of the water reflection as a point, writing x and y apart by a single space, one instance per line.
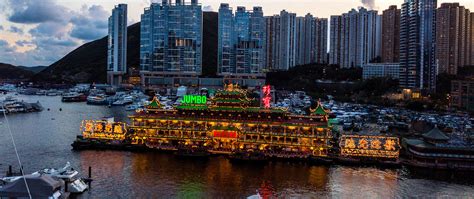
44 142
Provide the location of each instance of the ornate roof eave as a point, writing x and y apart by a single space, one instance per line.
319 110
154 104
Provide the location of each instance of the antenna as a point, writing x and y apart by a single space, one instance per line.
16 151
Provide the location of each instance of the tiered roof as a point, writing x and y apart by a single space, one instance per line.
154 105
435 135
319 110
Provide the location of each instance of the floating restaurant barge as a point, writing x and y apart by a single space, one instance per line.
229 123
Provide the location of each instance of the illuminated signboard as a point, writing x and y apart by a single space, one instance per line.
224 134
194 99
267 97
369 146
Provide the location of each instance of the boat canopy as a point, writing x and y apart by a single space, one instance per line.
40 187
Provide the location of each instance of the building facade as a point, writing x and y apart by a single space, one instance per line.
171 43
462 94
453 37
417 45
335 40
117 45
241 48
293 40
355 38
391 35
373 70
311 40
282 32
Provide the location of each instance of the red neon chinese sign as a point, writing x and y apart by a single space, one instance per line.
267 97
224 134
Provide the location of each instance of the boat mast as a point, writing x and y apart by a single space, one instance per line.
16 152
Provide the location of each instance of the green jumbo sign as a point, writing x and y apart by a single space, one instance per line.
194 99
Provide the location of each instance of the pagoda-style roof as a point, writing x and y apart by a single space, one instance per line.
154 104
319 110
436 135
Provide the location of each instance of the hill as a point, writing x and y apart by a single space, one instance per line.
87 63
12 72
34 69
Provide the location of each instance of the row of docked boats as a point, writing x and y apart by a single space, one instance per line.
13 105
45 183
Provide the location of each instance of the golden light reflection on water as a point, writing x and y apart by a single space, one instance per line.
349 182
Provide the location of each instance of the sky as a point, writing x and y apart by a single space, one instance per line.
40 32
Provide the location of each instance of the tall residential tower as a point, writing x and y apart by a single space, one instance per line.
117 45
418 68
391 35
355 38
453 37
241 46
171 43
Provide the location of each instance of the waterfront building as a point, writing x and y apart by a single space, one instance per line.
228 123
453 37
356 38
391 35
283 41
436 150
417 45
171 43
462 94
241 47
373 70
117 45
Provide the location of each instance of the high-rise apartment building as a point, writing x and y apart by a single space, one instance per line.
171 43
241 48
321 41
391 35
226 40
453 37
471 54
355 38
311 40
117 45
281 30
417 45
335 40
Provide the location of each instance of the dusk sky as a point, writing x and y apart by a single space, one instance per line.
39 32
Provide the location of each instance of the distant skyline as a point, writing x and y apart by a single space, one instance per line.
40 32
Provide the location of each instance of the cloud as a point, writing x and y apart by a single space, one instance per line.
370 4
207 9
31 12
24 43
51 32
15 29
50 29
90 24
3 43
56 42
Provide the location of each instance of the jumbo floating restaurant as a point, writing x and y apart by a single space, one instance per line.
231 123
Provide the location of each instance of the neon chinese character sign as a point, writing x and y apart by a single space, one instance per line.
267 97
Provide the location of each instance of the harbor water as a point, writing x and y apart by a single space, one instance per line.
44 139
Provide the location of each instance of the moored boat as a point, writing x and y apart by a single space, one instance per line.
74 97
99 99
